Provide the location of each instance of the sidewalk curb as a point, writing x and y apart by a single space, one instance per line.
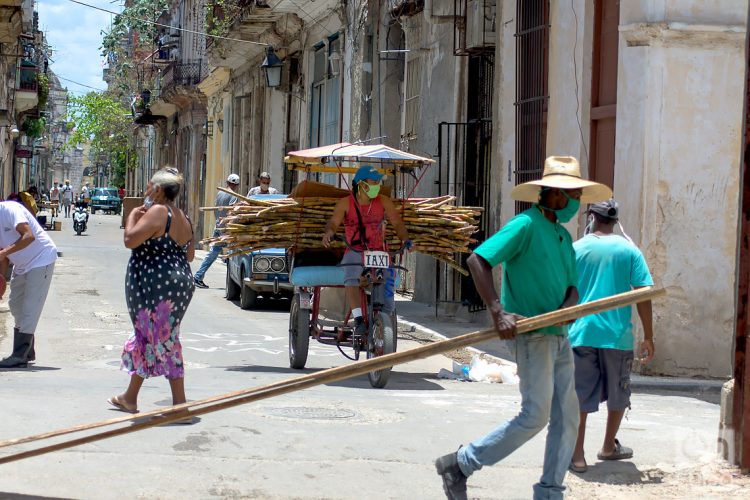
408 326
637 382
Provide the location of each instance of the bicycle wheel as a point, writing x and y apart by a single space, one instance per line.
299 334
380 341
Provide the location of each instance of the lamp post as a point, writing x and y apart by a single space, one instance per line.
272 68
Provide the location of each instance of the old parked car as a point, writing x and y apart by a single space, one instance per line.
263 273
107 200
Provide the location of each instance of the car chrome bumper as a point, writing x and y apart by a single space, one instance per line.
274 286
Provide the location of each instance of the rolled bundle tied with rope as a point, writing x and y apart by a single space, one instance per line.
163 416
437 227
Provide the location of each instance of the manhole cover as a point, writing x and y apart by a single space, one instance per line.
311 413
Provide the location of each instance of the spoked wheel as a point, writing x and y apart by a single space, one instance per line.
299 334
380 341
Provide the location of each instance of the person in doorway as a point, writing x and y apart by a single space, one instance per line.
54 198
539 276
158 289
121 193
26 245
363 213
66 195
608 264
222 200
264 185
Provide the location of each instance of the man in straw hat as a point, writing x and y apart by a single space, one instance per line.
602 343
539 276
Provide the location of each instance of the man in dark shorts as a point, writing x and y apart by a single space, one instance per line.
607 264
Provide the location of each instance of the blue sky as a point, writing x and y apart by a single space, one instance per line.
74 32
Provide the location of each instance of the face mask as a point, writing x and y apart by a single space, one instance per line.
372 190
148 202
570 210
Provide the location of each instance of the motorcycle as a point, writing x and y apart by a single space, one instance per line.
80 218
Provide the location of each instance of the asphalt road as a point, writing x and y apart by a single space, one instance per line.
342 440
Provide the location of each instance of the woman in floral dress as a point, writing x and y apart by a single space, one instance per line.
158 289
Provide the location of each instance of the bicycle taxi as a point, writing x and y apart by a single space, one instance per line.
319 310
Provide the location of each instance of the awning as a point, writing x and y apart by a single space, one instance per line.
342 157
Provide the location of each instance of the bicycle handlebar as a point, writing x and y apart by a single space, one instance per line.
338 237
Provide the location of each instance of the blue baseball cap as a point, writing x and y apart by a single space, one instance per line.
367 173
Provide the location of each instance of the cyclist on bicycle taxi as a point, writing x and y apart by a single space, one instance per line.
364 211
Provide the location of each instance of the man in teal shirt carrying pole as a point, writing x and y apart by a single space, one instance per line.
539 276
607 264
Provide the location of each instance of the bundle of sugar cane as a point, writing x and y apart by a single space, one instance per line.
436 227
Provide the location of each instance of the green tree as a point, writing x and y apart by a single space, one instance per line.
105 123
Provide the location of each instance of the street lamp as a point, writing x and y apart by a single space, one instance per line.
272 68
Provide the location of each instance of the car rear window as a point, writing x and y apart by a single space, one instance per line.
105 192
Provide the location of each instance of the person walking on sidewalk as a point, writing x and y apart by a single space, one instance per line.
222 200
26 245
608 264
66 193
539 276
158 289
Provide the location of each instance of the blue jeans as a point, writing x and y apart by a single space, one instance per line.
209 258
546 370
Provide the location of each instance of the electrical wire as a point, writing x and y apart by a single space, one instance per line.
162 25
77 83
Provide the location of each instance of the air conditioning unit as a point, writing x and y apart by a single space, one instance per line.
480 23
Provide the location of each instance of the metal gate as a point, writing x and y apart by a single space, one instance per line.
464 168
532 96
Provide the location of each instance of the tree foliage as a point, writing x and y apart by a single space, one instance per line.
105 123
132 30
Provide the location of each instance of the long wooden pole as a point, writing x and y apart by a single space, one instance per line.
229 400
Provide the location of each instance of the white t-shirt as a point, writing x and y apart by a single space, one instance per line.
67 192
85 192
54 194
256 190
42 251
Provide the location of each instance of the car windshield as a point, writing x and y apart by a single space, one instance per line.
105 192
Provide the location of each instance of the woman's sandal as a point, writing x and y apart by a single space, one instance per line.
120 406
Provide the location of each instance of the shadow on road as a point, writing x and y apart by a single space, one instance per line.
30 368
399 381
712 397
18 496
620 473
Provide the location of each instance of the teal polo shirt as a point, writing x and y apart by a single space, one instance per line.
607 265
538 264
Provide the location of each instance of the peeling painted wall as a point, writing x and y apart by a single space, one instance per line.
679 118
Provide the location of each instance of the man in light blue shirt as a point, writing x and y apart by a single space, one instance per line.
607 264
223 199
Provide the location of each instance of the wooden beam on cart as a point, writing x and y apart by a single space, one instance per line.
142 421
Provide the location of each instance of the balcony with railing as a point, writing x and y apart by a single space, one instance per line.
27 87
179 80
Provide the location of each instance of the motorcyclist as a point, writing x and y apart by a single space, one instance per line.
82 203
364 211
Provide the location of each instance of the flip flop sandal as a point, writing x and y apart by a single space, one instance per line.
119 406
580 469
620 453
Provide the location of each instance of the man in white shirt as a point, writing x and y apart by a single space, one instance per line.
66 192
26 245
85 193
264 185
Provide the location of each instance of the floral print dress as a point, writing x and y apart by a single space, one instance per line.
158 288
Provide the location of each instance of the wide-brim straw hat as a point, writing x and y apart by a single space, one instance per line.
562 172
